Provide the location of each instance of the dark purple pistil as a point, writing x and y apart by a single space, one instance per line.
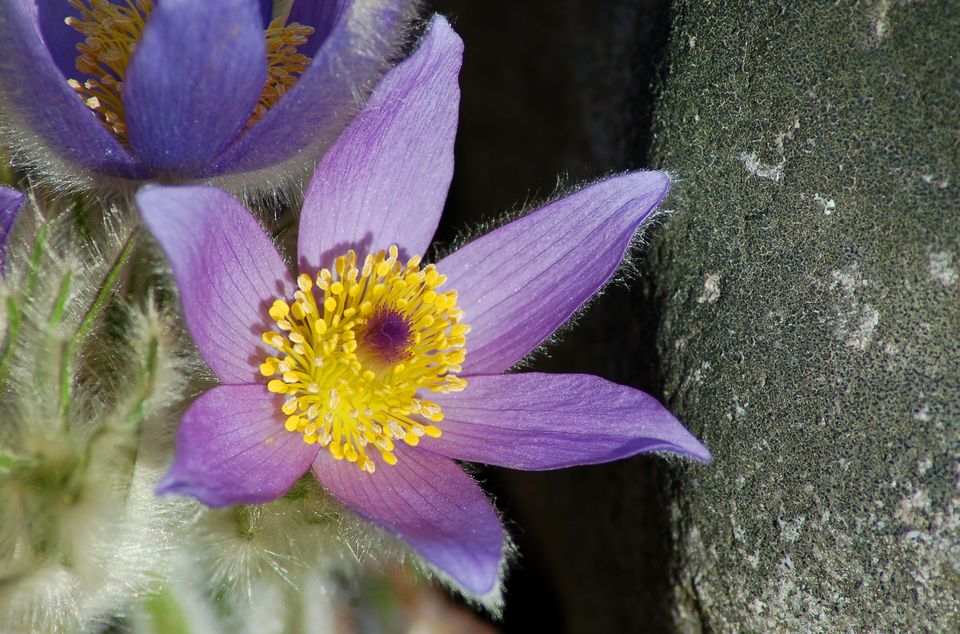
387 336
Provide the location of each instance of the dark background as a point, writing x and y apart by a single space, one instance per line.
554 94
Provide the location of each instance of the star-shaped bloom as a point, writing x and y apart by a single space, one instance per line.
187 89
379 372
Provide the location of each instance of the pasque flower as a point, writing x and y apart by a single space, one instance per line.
186 89
11 202
377 371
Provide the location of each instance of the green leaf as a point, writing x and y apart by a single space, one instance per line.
165 614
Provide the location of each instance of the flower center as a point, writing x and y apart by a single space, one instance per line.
112 32
353 366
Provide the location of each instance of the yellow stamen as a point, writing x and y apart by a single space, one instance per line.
363 346
113 28
284 63
112 31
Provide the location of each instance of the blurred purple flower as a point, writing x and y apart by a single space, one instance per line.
187 89
373 386
11 202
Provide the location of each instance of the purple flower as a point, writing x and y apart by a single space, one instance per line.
187 89
378 372
11 202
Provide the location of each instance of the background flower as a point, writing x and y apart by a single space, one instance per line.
11 202
186 89
384 182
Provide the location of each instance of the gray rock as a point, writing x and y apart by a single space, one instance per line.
811 325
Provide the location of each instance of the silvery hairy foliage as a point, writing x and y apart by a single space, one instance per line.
94 374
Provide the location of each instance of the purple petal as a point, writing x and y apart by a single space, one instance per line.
386 178
36 94
520 283
536 421
428 501
350 58
266 12
232 449
322 16
227 270
193 81
11 202
61 39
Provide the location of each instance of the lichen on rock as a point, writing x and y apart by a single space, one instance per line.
818 149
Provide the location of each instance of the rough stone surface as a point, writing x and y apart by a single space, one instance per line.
811 313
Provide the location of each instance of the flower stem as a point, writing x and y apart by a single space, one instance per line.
105 289
75 342
166 614
9 462
38 247
56 318
13 329
13 307
148 383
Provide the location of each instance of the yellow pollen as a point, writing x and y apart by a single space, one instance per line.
363 345
113 28
111 31
284 63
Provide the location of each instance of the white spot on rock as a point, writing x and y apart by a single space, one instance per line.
790 529
939 183
752 163
878 23
739 409
857 320
711 289
828 204
880 18
756 167
913 507
786 135
849 278
941 268
866 322
698 373
696 376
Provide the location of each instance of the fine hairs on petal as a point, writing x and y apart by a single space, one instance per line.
29 154
373 548
493 601
285 180
624 276
532 203
285 183
81 534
